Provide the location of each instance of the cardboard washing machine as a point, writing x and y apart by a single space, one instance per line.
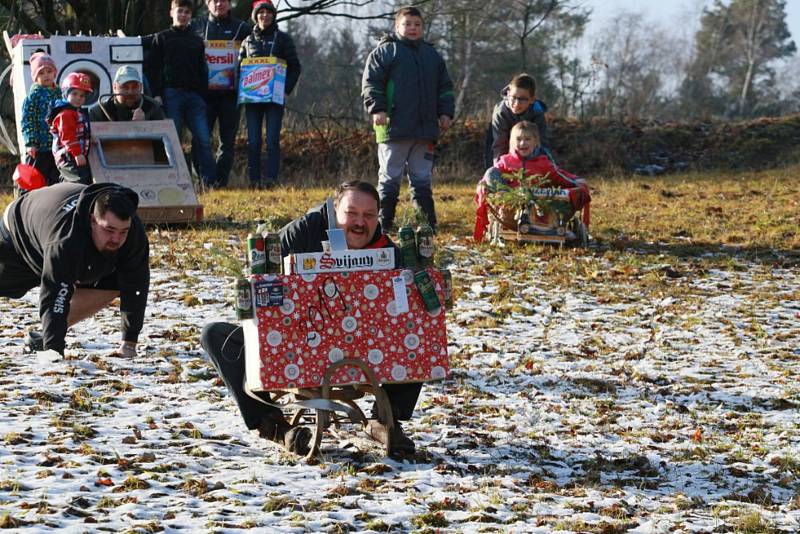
145 156
97 57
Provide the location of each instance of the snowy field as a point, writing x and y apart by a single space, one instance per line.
566 411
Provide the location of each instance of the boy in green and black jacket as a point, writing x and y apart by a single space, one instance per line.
178 74
408 92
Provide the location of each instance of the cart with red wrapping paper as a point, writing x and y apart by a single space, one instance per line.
547 218
529 208
333 338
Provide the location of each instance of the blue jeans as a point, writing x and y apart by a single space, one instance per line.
255 114
189 107
222 107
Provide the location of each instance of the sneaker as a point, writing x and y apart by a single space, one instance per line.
293 439
400 442
34 342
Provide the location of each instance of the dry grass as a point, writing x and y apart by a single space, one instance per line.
757 210
682 215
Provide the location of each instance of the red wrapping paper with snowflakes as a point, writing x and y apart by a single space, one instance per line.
325 318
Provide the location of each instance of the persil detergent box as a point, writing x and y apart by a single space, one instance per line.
376 259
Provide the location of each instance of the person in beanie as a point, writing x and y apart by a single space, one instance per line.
178 75
267 40
221 102
127 103
408 92
69 124
35 132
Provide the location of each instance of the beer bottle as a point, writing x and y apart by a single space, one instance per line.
408 247
425 245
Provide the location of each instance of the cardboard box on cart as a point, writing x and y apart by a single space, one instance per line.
374 316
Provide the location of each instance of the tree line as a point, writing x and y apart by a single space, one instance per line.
727 69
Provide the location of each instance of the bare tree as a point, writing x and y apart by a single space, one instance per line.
522 18
735 48
640 58
134 17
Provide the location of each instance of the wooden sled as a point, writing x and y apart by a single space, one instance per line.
331 405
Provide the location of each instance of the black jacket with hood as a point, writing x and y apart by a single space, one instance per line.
407 80
213 28
503 119
273 42
306 234
51 230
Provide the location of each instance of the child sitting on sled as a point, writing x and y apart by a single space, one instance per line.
529 165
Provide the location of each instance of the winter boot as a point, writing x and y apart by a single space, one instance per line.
388 207
400 443
425 204
276 429
34 342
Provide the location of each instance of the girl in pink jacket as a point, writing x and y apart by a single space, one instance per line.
526 158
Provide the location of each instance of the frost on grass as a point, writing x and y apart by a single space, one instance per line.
590 392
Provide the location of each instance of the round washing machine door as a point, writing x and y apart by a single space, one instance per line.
101 80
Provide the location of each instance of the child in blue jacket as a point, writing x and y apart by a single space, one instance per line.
35 131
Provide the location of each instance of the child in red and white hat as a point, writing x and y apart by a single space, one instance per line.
69 124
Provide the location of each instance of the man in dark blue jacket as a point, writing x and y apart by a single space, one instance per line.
356 212
83 246
408 92
221 31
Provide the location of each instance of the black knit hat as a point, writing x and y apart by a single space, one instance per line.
262 4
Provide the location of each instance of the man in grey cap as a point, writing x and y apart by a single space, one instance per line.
127 103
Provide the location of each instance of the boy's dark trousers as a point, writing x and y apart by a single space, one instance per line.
76 174
45 163
224 343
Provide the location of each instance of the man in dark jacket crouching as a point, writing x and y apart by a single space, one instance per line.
83 246
356 205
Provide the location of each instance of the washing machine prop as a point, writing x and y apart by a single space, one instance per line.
143 155
97 57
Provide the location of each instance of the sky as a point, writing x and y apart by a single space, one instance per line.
683 18
684 12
